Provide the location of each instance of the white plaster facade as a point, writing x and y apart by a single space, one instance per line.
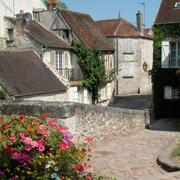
12 7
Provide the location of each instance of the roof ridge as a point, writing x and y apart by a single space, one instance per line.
74 12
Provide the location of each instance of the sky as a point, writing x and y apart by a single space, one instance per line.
109 9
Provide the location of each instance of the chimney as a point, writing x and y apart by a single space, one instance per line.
51 4
139 20
22 20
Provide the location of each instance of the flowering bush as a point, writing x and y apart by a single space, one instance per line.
34 148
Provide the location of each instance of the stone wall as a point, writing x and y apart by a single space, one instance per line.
99 122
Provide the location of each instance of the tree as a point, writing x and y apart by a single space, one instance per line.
92 65
59 3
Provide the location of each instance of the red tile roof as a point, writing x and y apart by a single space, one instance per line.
24 73
119 27
43 36
168 13
86 30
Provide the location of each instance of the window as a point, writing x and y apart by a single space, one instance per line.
171 93
65 34
128 70
177 5
10 34
170 54
58 62
128 46
174 54
103 93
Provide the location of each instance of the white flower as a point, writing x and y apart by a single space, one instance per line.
47 166
54 176
56 169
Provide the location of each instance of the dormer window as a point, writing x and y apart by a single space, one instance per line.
177 5
65 34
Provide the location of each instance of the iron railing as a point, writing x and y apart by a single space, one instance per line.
73 74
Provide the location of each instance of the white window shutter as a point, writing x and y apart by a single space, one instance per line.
165 52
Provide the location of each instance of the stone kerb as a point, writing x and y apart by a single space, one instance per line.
99 122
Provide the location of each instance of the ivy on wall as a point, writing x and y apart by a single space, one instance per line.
4 94
91 62
162 77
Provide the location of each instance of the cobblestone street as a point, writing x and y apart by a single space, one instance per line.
134 157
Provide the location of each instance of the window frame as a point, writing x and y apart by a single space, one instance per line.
177 54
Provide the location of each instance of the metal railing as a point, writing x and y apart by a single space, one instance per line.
73 74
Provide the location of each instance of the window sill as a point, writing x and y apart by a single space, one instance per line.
128 53
127 77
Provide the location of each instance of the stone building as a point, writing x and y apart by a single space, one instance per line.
53 50
9 8
25 76
76 26
133 54
166 77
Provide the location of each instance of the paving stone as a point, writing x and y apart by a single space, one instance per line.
134 157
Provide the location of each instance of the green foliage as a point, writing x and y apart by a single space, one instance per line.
176 152
162 77
92 65
60 4
4 94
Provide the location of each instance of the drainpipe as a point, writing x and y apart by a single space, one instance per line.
117 64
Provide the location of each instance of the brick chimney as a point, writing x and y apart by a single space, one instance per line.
139 20
51 4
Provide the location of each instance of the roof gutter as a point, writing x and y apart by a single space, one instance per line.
38 93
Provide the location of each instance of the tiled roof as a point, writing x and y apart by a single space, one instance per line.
168 13
43 36
118 27
85 29
24 73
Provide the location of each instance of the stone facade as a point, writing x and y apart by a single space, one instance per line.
132 54
99 122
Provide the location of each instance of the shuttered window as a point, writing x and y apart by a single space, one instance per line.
170 56
128 70
165 54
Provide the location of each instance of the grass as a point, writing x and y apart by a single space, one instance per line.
176 152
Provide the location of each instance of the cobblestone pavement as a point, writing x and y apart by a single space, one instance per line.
134 157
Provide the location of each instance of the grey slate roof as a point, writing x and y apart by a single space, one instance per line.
24 73
43 36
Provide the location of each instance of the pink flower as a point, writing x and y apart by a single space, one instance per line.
42 130
52 123
12 138
41 148
27 148
45 116
21 117
63 145
22 136
89 140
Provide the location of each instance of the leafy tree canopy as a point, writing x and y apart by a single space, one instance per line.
59 4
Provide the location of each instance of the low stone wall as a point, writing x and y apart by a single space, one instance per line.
99 122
